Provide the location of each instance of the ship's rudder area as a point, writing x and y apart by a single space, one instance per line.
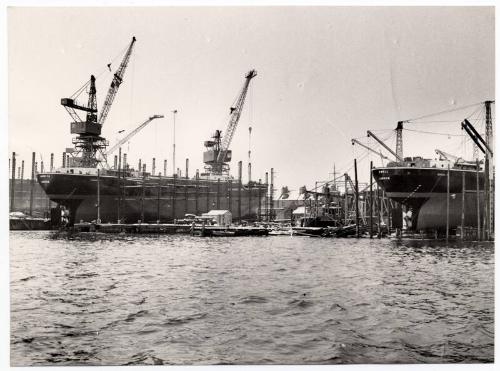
432 214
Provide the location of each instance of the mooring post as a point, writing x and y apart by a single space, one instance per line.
356 195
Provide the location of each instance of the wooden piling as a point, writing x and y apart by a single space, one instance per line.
371 200
196 192
174 191
158 193
13 182
271 196
119 184
356 194
477 202
98 196
346 201
32 182
239 189
143 195
218 194
266 204
230 195
463 207
448 203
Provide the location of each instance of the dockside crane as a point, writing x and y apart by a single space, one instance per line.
89 142
218 154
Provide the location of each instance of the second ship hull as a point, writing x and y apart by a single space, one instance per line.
423 191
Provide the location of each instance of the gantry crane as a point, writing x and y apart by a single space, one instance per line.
217 155
89 141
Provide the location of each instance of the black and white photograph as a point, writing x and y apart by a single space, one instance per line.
249 184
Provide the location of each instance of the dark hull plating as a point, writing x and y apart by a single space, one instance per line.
151 199
424 191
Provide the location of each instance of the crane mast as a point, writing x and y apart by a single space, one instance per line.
115 84
217 155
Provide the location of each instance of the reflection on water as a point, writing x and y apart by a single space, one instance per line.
273 300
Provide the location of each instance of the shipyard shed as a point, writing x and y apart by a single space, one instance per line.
220 217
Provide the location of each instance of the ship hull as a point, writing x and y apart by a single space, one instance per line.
149 199
424 191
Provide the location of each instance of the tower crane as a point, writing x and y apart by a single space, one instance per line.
217 155
89 142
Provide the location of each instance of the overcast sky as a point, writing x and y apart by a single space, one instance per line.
325 75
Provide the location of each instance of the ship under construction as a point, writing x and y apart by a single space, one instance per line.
93 190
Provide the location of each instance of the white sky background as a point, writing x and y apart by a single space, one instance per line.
325 75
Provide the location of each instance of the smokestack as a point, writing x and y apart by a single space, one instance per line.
153 168
51 162
140 165
165 167
187 168
115 164
124 161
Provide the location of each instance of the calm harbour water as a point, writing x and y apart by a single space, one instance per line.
122 300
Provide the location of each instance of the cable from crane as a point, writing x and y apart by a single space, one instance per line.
442 112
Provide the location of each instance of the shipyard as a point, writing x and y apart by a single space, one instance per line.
192 196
